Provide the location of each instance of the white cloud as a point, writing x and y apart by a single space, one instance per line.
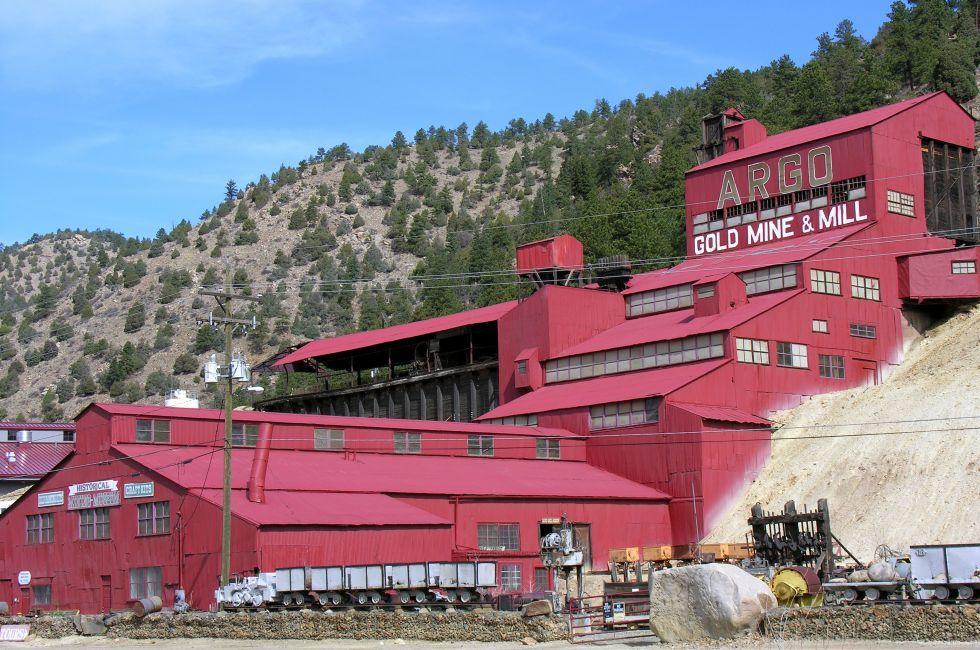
192 42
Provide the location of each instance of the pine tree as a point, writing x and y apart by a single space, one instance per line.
231 190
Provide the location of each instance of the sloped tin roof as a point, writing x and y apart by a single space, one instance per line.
31 459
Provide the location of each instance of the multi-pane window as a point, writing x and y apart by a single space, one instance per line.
93 523
963 267
865 288
409 442
820 326
791 355
41 595
480 446
771 278
328 438
510 577
809 198
825 282
752 351
831 366
244 435
864 331
152 430
145 582
541 580
40 528
706 290
154 518
848 189
637 357
658 300
900 203
522 367
624 414
518 420
498 537
548 448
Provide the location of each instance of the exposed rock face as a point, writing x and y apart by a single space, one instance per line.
706 601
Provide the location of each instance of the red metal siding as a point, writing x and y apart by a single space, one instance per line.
930 276
562 252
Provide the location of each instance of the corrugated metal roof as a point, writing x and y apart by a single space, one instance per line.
31 459
723 413
602 390
282 508
328 421
359 340
786 252
796 137
37 426
677 324
319 471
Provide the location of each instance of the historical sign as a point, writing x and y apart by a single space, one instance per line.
96 500
137 490
93 486
45 499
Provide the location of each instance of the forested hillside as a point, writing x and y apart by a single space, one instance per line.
419 227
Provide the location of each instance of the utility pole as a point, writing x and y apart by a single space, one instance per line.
225 299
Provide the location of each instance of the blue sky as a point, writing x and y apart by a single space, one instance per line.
132 115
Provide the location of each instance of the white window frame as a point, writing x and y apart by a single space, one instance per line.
752 351
153 431
863 331
963 267
792 355
820 326
479 445
659 300
328 439
901 203
496 536
548 448
616 415
408 442
770 278
244 435
825 282
864 287
829 368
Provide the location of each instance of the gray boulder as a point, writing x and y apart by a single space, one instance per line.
706 601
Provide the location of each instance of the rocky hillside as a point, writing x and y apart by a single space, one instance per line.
345 241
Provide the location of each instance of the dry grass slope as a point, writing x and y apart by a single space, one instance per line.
917 488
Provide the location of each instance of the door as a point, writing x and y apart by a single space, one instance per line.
868 370
6 593
25 601
582 538
106 594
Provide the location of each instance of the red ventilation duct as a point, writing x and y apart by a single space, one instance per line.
260 461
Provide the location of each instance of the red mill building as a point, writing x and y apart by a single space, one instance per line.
629 408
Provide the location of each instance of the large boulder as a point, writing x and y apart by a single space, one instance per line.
706 601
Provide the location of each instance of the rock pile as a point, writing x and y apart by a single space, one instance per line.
878 622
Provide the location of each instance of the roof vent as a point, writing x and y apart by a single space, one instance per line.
613 272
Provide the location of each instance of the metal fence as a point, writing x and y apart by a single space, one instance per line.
596 618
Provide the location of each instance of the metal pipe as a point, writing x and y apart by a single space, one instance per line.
260 462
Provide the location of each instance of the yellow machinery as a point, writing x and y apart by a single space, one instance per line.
797 586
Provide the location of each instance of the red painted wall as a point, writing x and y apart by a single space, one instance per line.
930 277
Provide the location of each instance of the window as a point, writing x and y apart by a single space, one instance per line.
498 537
145 582
624 414
40 528
825 282
715 215
154 518
328 438
950 190
706 291
93 523
411 443
518 420
771 278
899 203
964 267
752 351
810 198
791 355
510 577
820 326
41 595
522 367
480 446
637 357
244 435
541 579
658 300
548 448
831 366
863 331
153 431
847 190
864 288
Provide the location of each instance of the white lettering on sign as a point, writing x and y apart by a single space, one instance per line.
97 500
15 632
762 232
93 486
24 578
137 490
819 172
45 499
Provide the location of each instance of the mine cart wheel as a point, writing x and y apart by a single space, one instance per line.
849 595
400 598
418 596
256 600
374 597
287 600
872 593
964 593
465 595
299 599
359 598
941 592
450 596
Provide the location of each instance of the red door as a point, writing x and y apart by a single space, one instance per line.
25 601
106 594
869 371
6 593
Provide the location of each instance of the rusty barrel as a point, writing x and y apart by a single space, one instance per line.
145 606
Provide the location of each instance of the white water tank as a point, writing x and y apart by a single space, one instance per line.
181 399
